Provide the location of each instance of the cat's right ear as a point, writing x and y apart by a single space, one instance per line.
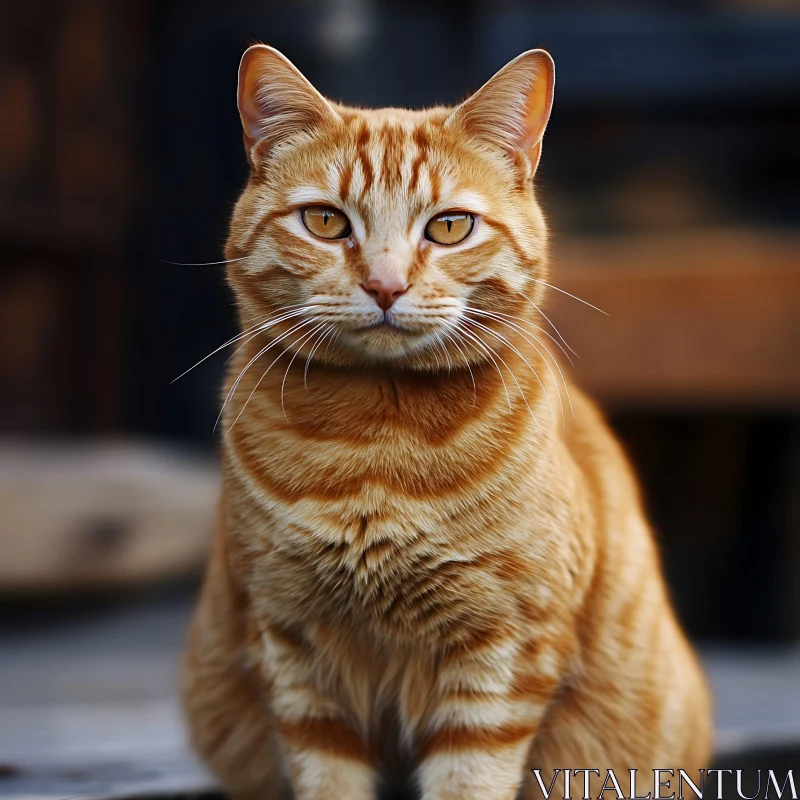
275 99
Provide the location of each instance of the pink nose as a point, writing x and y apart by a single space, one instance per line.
385 293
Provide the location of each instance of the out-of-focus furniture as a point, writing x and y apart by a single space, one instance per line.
695 319
107 516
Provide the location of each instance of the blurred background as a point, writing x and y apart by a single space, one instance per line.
671 180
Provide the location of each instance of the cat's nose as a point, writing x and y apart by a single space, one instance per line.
384 292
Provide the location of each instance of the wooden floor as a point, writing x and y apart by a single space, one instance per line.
88 706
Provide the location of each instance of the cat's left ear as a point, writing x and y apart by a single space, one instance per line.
511 110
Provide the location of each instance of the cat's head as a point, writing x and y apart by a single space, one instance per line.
389 236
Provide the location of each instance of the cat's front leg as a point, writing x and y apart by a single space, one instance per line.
492 702
326 757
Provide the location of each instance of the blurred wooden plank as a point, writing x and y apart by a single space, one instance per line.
107 515
120 750
696 318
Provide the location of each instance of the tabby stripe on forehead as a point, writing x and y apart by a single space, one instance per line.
423 143
345 178
393 151
436 185
362 143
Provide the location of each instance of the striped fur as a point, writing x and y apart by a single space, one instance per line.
417 561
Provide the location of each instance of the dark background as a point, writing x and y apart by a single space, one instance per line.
671 173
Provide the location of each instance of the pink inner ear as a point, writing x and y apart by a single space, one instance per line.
537 112
275 100
249 108
511 110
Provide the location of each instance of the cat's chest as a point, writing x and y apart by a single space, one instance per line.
398 574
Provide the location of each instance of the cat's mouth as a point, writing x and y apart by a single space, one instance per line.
387 323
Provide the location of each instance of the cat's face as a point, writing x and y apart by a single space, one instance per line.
388 236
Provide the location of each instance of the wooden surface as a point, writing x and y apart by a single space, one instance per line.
88 703
695 318
104 515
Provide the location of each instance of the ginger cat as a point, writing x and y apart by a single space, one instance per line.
421 572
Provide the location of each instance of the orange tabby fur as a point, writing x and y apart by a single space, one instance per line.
417 561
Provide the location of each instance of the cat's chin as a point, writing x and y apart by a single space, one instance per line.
389 344
385 342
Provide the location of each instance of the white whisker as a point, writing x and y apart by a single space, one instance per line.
488 350
201 263
267 325
297 342
437 341
451 335
563 379
331 341
252 361
263 321
574 297
221 347
258 382
543 330
511 372
514 349
527 335
322 338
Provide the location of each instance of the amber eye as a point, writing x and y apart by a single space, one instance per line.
451 227
326 222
